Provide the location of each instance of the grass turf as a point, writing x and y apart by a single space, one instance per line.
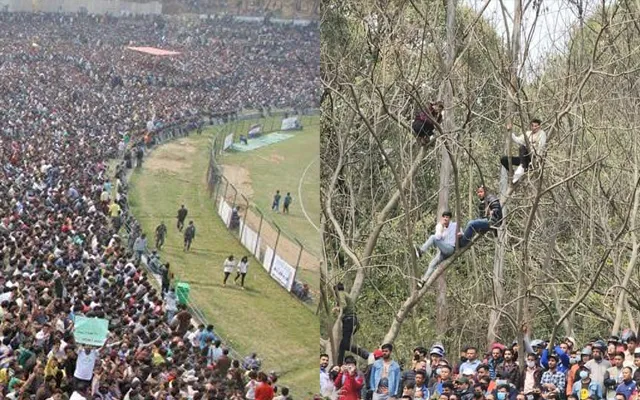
264 318
289 166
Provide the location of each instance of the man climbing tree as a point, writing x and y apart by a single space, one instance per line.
444 240
423 124
349 320
534 139
489 215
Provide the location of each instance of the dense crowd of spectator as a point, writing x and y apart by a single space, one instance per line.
72 98
598 370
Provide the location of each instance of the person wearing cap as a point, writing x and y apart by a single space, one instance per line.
561 351
444 240
385 376
472 362
463 388
585 387
553 381
627 385
598 365
577 363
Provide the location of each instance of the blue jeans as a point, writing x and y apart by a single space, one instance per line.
474 226
444 251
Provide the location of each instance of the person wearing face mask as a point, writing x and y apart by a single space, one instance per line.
530 379
503 392
586 387
577 361
444 376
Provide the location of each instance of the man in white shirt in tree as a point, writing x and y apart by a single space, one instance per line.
444 240
532 143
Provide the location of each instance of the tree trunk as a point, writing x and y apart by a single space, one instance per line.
498 259
622 298
446 95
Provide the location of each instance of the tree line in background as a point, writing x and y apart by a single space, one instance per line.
564 261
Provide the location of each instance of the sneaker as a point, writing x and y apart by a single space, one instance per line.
518 174
418 251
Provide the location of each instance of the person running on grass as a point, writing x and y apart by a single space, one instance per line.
444 240
182 215
189 235
228 267
241 271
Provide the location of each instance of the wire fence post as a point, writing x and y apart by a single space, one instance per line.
275 248
244 220
235 196
255 252
295 272
226 188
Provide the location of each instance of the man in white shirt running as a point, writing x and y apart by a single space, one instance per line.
444 240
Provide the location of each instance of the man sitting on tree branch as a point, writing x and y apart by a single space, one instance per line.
423 124
536 138
444 240
489 216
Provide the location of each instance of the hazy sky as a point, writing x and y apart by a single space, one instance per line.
552 28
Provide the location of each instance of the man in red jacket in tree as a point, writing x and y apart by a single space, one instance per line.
423 125
349 381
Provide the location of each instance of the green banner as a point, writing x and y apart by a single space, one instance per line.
91 331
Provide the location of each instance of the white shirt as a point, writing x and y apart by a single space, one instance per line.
77 396
447 234
85 365
242 267
229 265
538 140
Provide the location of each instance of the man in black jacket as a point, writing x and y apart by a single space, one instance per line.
489 215
182 215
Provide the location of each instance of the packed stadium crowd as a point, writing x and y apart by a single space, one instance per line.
72 98
596 370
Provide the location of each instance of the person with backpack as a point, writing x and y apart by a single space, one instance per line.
489 216
189 235
423 125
